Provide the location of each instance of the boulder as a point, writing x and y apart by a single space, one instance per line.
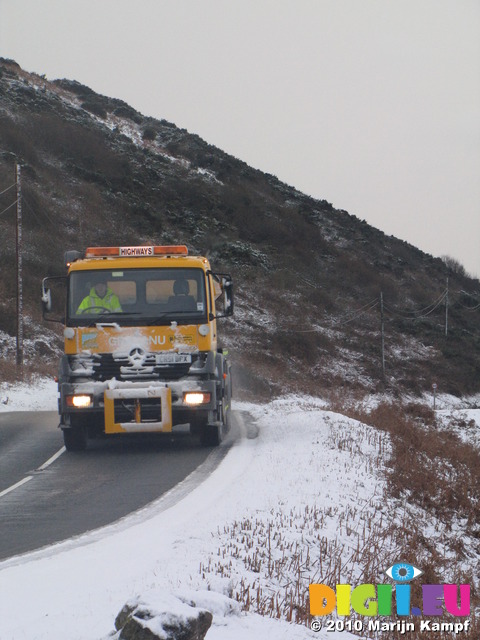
172 620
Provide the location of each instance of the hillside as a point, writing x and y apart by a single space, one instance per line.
309 278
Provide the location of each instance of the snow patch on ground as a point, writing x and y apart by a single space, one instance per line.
38 395
303 502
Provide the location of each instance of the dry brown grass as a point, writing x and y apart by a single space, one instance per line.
431 477
434 471
437 471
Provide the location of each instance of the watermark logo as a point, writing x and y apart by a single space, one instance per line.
386 599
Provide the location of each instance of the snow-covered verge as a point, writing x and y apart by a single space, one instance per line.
303 502
41 395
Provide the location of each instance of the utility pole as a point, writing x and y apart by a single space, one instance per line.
19 268
382 322
446 310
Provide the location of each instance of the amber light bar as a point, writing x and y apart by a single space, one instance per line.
136 252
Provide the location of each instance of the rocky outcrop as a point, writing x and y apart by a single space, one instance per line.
172 620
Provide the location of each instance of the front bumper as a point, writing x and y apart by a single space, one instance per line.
147 406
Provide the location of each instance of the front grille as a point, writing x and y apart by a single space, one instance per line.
102 367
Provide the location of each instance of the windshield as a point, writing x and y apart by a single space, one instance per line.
137 296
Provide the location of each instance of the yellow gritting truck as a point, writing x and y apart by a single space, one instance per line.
141 345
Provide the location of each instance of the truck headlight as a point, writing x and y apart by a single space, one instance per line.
79 401
196 397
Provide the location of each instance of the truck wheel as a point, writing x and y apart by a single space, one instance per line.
211 435
75 438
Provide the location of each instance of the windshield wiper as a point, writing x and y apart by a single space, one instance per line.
158 318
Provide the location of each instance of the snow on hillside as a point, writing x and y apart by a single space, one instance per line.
302 502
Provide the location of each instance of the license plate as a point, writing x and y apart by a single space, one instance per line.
174 358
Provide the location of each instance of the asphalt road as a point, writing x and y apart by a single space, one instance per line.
48 495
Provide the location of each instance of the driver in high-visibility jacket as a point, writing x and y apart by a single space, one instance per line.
100 299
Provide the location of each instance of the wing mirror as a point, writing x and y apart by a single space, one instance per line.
225 283
46 299
53 305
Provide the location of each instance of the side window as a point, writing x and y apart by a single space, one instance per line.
80 285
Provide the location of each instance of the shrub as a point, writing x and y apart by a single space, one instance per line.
149 133
95 107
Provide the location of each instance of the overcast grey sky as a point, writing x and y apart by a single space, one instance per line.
373 105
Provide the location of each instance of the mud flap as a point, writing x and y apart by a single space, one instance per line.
137 423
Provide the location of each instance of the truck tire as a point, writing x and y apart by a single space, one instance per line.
211 435
75 437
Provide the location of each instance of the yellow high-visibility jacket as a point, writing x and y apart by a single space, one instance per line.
94 304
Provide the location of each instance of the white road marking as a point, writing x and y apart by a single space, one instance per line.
52 459
15 486
27 478
168 500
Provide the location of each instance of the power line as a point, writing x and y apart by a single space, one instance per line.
29 206
9 207
8 189
423 313
357 313
465 306
418 313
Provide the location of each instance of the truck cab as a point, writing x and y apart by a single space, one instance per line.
141 345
